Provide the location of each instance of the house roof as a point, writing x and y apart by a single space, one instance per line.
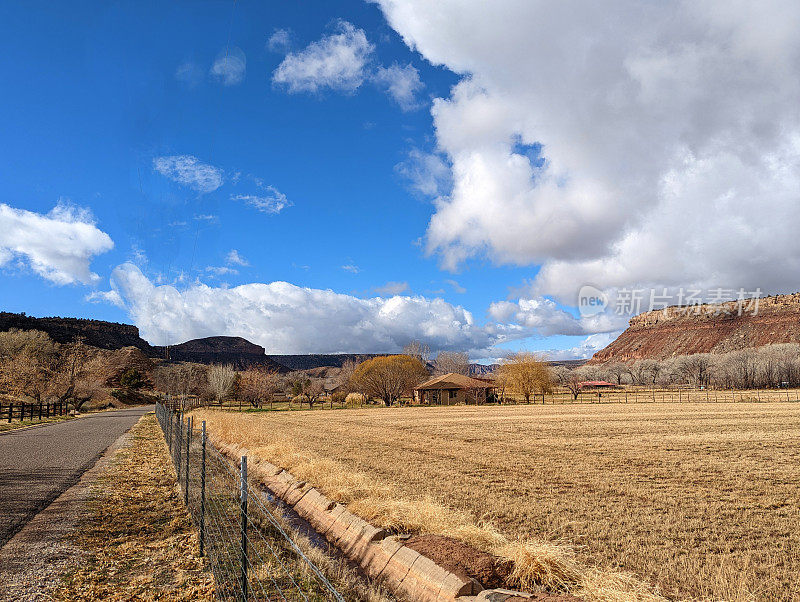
597 383
455 381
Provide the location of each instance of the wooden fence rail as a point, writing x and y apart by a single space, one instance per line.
32 411
181 403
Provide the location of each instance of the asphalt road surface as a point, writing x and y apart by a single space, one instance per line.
38 464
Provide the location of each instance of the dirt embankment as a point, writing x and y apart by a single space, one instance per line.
721 328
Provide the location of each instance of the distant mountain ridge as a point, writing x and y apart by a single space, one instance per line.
322 360
97 333
236 351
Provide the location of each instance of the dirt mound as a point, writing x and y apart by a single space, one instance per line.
462 559
674 331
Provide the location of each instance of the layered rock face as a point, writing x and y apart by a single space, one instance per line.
97 333
720 328
236 351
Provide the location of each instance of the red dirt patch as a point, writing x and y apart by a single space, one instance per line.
463 560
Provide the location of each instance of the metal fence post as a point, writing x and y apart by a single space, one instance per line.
203 490
243 503
178 447
186 471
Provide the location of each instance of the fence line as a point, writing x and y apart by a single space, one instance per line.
32 411
671 395
249 552
181 403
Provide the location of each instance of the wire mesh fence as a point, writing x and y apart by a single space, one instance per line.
249 550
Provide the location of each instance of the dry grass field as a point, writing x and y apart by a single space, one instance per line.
700 500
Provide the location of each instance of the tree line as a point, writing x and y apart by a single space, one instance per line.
752 368
387 379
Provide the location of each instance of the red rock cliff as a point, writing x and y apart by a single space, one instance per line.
675 331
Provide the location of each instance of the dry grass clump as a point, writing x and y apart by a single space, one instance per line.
542 563
136 538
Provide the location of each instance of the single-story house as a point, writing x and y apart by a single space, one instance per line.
451 389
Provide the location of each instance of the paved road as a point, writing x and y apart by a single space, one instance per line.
38 464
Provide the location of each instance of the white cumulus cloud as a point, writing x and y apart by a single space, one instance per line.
229 67
280 40
285 318
426 173
234 258
337 61
543 317
271 201
585 349
190 171
59 245
617 143
402 83
392 288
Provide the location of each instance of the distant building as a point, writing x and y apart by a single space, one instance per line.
598 384
451 389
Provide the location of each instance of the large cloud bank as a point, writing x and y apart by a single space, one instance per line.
285 318
59 245
617 143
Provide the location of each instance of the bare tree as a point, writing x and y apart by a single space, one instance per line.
574 384
645 372
560 374
342 380
617 371
744 367
314 389
72 380
452 362
418 350
786 363
694 369
221 378
258 384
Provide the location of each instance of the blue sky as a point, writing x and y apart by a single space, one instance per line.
107 108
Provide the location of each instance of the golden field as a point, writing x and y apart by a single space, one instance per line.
698 500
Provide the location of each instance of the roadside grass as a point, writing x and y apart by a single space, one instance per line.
16 424
698 501
136 538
